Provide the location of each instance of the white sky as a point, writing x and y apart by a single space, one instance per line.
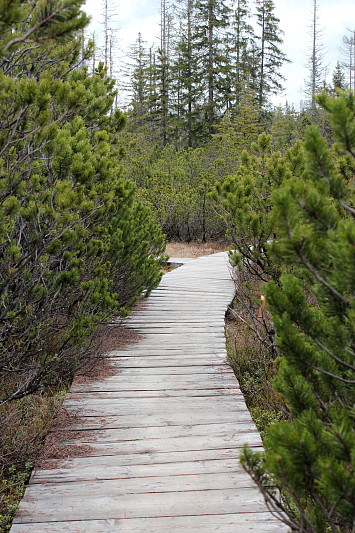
335 16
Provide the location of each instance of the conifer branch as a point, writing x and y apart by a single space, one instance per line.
334 357
330 374
320 279
347 207
30 31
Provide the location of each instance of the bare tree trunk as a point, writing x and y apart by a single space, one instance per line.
106 30
93 55
314 52
111 59
164 50
261 90
210 68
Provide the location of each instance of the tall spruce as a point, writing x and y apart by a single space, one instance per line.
140 83
339 80
163 71
187 92
240 37
213 21
270 55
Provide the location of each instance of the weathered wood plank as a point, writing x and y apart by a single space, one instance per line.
165 432
172 418
189 371
140 471
115 488
197 502
178 444
125 406
158 361
163 393
247 522
108 466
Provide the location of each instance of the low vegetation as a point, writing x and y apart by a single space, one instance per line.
255 369
24 425
303 253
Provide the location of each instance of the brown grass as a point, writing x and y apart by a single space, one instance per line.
254 366
195 249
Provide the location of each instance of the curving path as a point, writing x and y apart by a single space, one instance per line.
163 433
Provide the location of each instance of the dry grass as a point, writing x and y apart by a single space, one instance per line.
254 367
24 424
195 249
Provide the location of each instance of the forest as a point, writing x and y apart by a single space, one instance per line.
90 194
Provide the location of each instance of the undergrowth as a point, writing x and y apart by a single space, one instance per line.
254 367
24 425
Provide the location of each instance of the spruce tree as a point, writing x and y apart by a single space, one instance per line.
240 66
307 471
270 55
186 91
139 82
338 77
213 21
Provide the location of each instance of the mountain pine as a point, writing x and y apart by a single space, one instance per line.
307 471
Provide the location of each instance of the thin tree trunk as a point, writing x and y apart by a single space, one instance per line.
106 31
210 67
261 90
314 51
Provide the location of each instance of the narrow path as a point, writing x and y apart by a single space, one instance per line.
163 434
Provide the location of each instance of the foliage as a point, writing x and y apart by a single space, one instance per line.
174 184
11 490
310 461
244 203
270 55
24 425
254 368
204 68
75 246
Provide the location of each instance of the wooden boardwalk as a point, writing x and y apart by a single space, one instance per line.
163 434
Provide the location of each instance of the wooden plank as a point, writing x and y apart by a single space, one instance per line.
158 432
118 472
188 372
173 418
108 466
247 522
158 361
177 382
163 393
201 351
116 488
101 407
102 447
197 502
208 371
216 466
124 406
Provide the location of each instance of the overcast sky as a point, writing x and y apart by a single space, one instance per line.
335 16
